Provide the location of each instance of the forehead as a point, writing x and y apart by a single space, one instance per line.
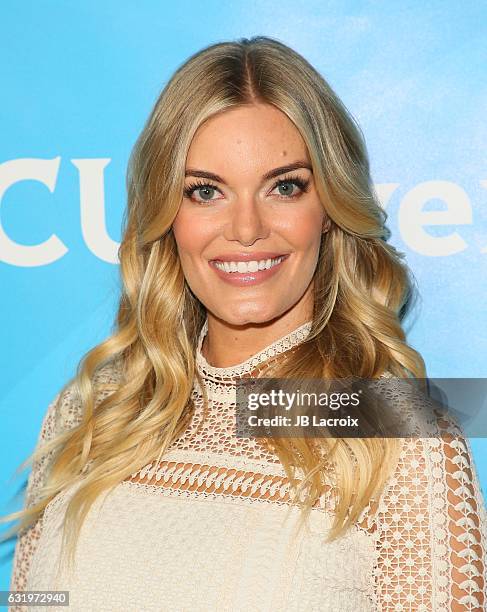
246 139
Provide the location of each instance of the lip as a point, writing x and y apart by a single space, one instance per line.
257 256
245 279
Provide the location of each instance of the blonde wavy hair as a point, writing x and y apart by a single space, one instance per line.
362 291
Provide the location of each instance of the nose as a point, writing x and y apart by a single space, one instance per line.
247 222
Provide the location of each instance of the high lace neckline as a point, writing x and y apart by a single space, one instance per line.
239 370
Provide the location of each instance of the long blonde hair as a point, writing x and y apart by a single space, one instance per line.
363 290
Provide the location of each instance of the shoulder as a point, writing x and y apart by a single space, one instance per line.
435 473
65 411
432 516
64 414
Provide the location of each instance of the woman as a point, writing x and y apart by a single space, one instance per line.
254 245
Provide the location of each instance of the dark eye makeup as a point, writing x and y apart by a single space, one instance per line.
302 184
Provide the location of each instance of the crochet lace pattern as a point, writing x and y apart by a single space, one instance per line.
420 547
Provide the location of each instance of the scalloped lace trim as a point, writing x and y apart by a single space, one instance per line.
209 372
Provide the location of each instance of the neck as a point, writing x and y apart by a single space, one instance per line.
226 345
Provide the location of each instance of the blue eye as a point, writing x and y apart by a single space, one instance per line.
287 187
204 188
287 184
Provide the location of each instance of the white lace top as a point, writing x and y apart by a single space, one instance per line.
211 527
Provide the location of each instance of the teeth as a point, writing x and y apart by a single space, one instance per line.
247 266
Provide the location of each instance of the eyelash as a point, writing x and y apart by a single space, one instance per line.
298 181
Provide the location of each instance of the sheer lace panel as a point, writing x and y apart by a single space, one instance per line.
430 529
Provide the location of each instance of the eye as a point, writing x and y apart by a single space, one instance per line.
290 187
205 190
287 187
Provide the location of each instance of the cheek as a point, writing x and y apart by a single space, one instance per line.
302 229
181 228
191 234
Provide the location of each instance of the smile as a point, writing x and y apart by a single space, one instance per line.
247 266
245 273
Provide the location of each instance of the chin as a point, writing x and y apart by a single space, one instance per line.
248 315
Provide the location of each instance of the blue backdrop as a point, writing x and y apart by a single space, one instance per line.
78 81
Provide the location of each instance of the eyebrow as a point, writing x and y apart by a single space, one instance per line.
268 175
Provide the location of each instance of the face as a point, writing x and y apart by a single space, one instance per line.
248 229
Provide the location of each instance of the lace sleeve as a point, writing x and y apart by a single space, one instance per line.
430 529
62 414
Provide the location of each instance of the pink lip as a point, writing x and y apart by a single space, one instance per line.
243 279
257 256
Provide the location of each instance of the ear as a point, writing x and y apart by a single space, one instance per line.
325 225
